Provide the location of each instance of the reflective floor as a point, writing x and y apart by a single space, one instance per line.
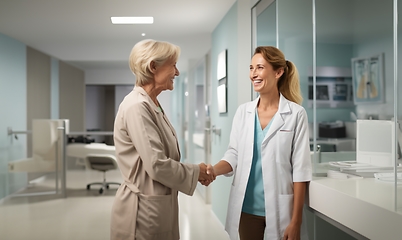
85 214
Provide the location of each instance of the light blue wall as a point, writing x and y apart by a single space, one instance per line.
223 37
13 109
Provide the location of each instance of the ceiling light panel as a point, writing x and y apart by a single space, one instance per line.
132 20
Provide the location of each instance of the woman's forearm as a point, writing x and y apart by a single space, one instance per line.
298 201
222 167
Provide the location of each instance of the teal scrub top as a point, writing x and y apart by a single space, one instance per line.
254 198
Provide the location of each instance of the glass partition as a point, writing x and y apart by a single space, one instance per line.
198 138
295 39
356 91
348 58
398 98
336 37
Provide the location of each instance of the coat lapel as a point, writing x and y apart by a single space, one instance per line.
279 118
158 111
250 118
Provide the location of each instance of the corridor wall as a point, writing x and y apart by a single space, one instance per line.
233 33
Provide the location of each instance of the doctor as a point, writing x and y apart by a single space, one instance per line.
268 154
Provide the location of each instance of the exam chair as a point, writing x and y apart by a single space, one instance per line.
81 150
45 147
103 163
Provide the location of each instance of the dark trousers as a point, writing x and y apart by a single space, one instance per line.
251 227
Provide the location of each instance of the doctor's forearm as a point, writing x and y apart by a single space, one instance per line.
298 201
222 167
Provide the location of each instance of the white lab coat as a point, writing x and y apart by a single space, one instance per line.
285 158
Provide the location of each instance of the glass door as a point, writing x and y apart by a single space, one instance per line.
199 121
264 26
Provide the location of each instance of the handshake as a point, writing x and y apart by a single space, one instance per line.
207 174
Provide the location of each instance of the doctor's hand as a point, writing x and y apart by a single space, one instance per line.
292 232
206 174
211 170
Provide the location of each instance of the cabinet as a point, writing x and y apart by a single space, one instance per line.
334 88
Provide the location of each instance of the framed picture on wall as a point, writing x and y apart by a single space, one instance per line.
368 79
221 70
222 96
222 81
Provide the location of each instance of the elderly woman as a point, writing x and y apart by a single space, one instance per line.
146 205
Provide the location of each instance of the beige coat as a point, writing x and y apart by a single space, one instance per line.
146 206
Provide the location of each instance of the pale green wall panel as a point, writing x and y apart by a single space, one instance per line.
223 37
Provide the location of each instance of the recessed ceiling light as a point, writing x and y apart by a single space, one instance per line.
143 34
132 20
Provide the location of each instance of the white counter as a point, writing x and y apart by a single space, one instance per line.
365 206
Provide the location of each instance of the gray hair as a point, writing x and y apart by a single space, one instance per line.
147 51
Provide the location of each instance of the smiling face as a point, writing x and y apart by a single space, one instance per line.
165 74
262 74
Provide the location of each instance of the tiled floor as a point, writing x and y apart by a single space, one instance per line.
85 215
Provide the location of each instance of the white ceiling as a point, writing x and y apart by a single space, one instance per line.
80 31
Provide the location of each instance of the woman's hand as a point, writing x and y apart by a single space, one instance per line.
207 174
292 232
